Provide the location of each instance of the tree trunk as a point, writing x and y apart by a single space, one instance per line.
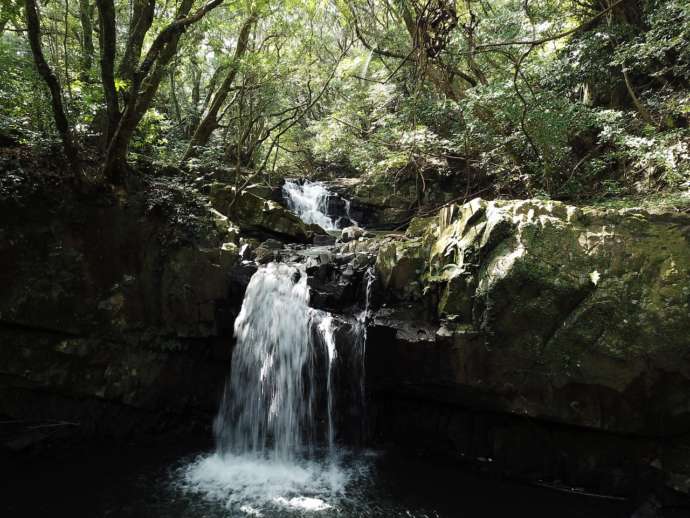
33 28
145 82
106 15
210 121
173 97
87 50
142 18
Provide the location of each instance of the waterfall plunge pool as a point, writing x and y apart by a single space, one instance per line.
152 481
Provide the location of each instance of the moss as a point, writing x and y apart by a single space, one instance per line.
589 297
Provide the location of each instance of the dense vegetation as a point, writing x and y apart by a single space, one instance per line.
574 100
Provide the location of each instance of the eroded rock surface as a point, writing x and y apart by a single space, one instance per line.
570 315
116 311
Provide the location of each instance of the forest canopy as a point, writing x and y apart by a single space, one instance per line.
570 100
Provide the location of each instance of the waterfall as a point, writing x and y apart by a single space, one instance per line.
276 434
309 201
269 408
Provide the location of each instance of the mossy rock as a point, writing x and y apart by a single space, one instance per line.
584 312
255 214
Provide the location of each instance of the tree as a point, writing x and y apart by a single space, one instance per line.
145 82
33 28
210 121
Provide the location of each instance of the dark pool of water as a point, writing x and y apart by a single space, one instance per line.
148 482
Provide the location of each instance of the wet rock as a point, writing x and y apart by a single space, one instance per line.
229 255
247 248
342 259
316 230
343 222
362 260
323 240
325 257
351 234
258 215
336 206
263 255
272 244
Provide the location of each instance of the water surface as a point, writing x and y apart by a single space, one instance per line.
159 482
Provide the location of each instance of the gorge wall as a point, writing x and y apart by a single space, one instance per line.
116 311
546 337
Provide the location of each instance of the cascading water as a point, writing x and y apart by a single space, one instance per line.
327 332
309 200
276 434
270 427
267 408
360 325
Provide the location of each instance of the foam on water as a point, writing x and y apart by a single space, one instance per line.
259 486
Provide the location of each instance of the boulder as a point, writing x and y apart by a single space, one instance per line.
323 240
257 215
351 233
401 265
315 229
264 255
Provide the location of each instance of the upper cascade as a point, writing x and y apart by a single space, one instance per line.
311 202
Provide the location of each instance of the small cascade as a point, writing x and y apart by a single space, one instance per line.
309 200
328 336
313 203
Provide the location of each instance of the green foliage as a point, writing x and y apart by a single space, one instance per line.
358 84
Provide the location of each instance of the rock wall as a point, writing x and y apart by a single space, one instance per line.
116 311
539 310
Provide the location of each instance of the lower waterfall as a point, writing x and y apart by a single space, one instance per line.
276 429
268 407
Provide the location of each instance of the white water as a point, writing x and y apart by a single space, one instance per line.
328 335
267 402
269 428
309 201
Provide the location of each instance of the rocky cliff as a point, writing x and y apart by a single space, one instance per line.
549 341
116 309
545 313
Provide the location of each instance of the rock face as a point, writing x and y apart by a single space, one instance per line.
258 215
115 313
539 309
387 200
